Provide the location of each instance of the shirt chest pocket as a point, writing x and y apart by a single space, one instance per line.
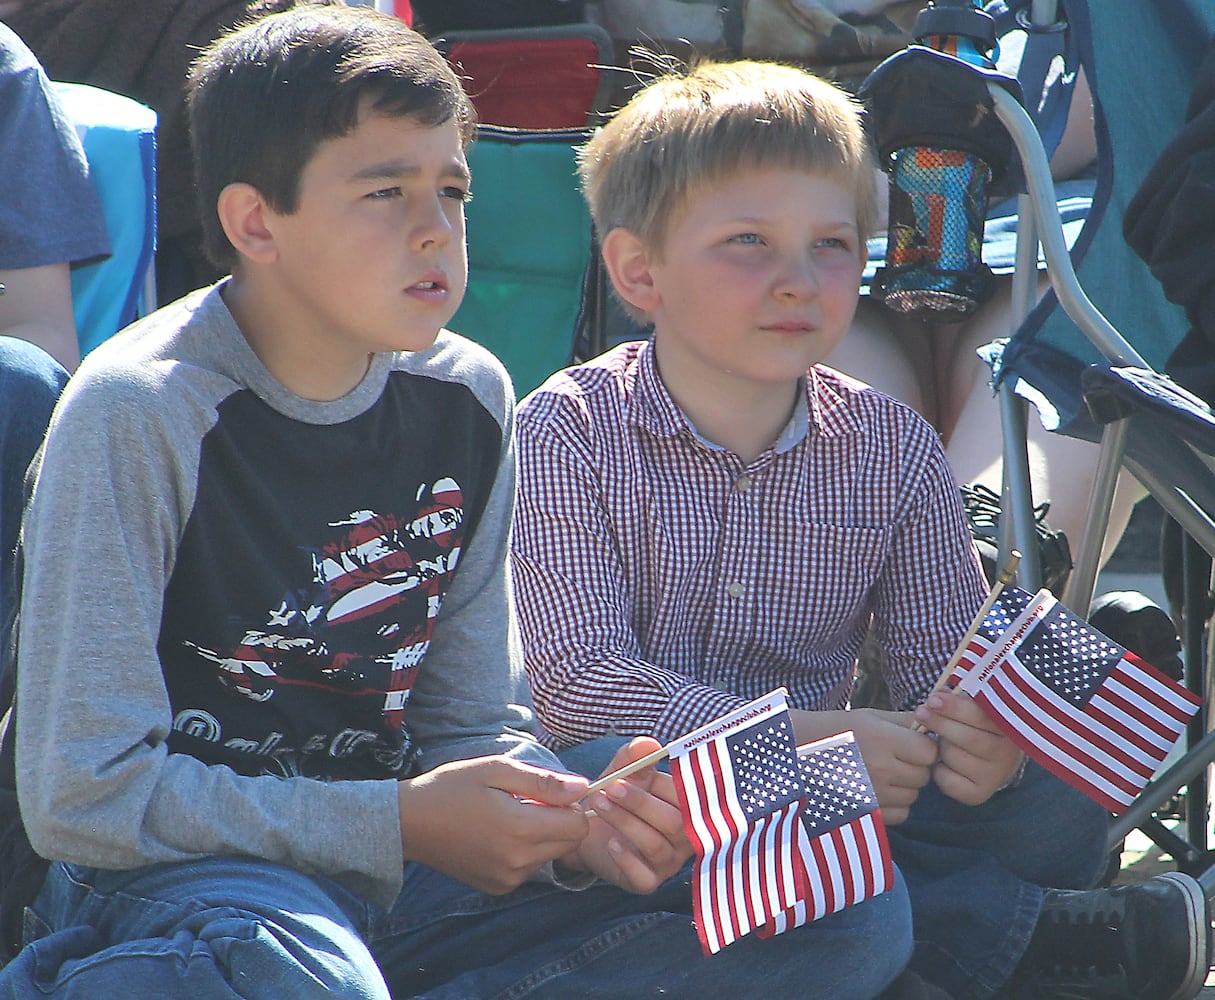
823 576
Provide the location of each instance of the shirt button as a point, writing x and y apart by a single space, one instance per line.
743 484
735 590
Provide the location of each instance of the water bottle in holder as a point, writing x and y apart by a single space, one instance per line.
934 263
932 120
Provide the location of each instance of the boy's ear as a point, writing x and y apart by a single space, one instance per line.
242 213
627 260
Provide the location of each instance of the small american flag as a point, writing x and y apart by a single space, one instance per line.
1079 704
741 792
843 839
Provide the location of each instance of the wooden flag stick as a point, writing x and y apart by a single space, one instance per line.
651 758
1005 578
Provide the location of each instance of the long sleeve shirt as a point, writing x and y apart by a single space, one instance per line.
246 615
662 580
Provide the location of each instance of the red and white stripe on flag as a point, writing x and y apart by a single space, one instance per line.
739 786
842 839
1107 742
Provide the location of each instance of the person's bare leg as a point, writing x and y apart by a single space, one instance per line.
1062 469
877 353
935 370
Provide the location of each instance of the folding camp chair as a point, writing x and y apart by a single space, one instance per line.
1088 378
1067 356
119 139
530 249
534 78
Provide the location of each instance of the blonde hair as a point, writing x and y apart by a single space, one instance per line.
699 125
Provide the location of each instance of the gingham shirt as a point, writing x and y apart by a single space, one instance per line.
662 581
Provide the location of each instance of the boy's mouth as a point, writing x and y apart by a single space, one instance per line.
431 283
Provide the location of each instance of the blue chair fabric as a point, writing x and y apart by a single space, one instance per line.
1141 60
119 139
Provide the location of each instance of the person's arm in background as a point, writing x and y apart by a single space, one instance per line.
1077 147
36 305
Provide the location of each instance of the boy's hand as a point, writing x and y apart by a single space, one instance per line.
898 760
637 839
977 759
466 819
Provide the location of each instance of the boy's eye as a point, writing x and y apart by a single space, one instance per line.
834 243
389 192
749 239
457 194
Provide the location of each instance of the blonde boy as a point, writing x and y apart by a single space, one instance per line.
712 513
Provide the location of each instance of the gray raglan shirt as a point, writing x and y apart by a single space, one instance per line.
246 615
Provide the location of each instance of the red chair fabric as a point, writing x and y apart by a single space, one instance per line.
532 82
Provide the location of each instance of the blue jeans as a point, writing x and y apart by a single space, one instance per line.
975 874
227 928
30 383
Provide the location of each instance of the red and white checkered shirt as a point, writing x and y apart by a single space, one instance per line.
662 581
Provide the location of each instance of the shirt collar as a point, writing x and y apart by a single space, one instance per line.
819 408
653 408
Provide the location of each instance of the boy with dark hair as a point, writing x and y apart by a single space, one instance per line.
712 513
271 720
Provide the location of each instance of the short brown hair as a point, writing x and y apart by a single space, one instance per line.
264 96
700 124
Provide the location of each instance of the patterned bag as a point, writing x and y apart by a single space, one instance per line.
840 39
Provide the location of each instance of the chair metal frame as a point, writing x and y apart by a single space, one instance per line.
1039 223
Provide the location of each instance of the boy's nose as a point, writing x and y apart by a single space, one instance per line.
432 227
798 278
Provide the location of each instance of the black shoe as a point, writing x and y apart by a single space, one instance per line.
983 512
1144 941
1136 622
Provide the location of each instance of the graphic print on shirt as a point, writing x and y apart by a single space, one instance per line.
357 630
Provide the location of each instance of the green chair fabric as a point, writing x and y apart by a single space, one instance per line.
529 238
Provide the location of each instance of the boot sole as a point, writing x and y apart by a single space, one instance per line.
1200 933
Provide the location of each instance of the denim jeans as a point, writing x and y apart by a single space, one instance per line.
227 928
975 874
30 383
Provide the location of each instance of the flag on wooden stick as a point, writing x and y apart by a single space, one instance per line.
741 791
843 839
1082 706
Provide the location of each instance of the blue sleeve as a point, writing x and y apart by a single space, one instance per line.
49 209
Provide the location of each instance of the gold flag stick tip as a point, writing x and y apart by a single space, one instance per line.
1002 580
